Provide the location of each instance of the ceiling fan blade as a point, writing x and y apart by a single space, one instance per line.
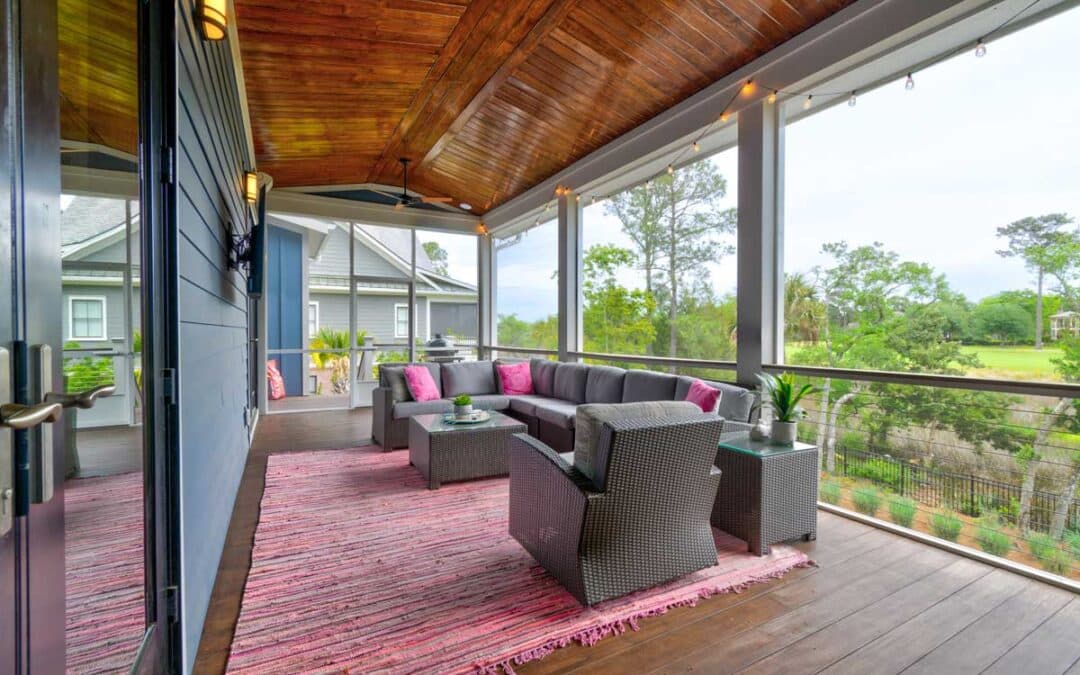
436 200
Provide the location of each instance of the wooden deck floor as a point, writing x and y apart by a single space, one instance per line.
876 602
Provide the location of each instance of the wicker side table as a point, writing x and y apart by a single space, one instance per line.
768 493
447 452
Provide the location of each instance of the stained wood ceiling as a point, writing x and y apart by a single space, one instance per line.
490 96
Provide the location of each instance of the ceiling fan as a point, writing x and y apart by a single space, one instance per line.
405 199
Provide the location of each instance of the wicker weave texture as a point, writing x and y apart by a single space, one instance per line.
461 454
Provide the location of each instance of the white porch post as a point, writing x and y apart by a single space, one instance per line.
485 295
760 240
570 274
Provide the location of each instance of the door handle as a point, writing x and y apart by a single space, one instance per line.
18 416
83 399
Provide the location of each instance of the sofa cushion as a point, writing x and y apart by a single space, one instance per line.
570 380
543 376
526 404
421 384
468 377
394 379
604 384
433 367
645 385
736 403
406 409
557 412
592 416
491 401
514 379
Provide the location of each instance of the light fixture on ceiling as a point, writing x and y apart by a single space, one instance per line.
465 206
251 186
213 17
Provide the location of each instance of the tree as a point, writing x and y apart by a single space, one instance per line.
676 225
438 256
616 320
803 311
1068 366
1001 322
1046 250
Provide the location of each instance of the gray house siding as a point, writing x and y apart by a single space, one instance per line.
374 314
114 311
213 331
333 259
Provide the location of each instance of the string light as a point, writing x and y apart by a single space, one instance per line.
724 117
909 83
748 88
851 101
808 102
697 146
648 185
980 48
670 170
772 97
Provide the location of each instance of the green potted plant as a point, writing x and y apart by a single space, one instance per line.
783 395
463 406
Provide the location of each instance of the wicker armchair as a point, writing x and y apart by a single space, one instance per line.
643 520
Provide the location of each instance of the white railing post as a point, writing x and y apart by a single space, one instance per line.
570 274
760 240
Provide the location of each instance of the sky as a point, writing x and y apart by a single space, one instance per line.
931 172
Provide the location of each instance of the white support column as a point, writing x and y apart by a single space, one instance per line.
570 273
485 294
760 240
412 300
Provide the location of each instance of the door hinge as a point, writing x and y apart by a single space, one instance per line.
172 604
168 385
168 168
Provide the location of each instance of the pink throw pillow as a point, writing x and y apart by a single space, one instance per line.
420 383
516 378
704 396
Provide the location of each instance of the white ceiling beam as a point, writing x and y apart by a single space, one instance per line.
300 204
79 180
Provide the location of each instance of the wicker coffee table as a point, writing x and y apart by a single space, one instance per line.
446 452
768 493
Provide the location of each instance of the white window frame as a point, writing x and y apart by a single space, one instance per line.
311 304
104 317
398 307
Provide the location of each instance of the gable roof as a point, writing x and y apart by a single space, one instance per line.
88 224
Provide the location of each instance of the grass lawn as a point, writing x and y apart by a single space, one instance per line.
1015 362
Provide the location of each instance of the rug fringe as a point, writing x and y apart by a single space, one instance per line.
591 636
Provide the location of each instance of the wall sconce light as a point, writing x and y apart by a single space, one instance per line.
251 186
213 16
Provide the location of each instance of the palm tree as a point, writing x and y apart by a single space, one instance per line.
804 313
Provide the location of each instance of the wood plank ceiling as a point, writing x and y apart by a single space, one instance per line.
489 97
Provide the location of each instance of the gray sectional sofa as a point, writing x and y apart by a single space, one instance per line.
549 413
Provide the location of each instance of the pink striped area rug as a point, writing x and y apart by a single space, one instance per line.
358 568
103 545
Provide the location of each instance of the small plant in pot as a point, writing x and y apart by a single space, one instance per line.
783 395
463 406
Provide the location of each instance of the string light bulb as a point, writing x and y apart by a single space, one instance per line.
808 102
980 48
724 117
772 97
851 101
748 88
697 146
670 170
909 83
648 185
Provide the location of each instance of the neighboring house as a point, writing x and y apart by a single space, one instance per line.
307 280
94 239
1064 324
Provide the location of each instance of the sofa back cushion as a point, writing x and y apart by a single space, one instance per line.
604 384
468 377
393 378
736 403
543 376
570 380
386 370
421 384
645 385
592 416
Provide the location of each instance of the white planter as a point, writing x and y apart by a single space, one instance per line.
783 432
463 410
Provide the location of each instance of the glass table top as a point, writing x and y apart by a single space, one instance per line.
742 442
436 423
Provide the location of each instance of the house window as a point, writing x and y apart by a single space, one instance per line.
401 321
312 319
87 318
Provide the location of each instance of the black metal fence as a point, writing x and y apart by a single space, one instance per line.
966 493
